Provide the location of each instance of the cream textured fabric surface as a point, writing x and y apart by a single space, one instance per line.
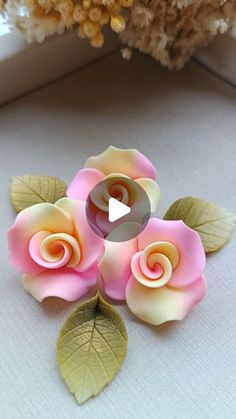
186 124
220 57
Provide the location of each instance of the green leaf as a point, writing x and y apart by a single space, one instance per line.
91 347
214 224
30 190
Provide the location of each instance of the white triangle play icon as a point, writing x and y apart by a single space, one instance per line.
117 210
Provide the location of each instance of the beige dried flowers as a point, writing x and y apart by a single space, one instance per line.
2 3
168 30
171 30
46 17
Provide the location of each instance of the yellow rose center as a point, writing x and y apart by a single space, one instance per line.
55 250
61 245
155 264
117 186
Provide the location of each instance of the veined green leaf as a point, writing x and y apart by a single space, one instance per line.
214 224
91 347
30 190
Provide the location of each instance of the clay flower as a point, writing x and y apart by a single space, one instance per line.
117 167
55 248
159 273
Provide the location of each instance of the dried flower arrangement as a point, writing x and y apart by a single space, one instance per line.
168 30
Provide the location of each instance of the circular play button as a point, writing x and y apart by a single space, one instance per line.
118 208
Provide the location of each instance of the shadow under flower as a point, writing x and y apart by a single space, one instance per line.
53 306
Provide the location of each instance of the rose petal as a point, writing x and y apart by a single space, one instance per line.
115 267
91 244
125 161
124 232
83 183
159 305
187 241
64 283
152 190
40 217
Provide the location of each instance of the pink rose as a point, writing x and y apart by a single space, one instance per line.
159 273
55 248
115 162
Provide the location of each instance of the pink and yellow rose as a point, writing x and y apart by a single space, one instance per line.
113 163
159 273
55 248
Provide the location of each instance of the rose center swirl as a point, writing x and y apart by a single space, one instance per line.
153 266
114 186
54 250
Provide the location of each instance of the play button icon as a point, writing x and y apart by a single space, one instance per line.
118 208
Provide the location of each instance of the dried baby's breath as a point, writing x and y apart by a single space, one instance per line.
171 30
168 30
46 17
